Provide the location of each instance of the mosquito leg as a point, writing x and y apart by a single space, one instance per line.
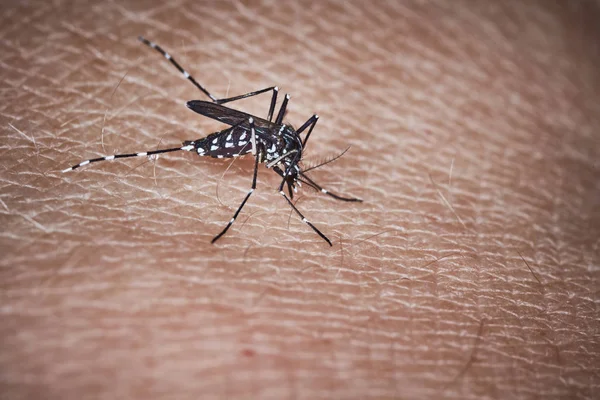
176 64
288 172
189 77
289 185
314 228
256 158
186 147
281 112
275 90
312 121
307 222
312 183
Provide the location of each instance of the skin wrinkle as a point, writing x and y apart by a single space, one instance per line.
122 295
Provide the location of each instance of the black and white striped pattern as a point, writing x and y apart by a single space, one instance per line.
231 142
129 155
190 78
185 74
307 222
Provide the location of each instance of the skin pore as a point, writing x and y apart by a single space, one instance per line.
470 271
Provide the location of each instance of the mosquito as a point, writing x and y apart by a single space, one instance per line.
279 146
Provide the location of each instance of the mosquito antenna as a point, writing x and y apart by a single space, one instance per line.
309 184
328 161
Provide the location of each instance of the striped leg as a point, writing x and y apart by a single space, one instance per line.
256 158
189 77
142 154
307 222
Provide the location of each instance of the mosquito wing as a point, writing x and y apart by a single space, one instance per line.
228 115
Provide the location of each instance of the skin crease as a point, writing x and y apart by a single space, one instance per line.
469 272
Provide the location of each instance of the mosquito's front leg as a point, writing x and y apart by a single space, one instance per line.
256 158
284 180
307 222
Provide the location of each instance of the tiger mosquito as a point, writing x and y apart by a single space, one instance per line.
277 145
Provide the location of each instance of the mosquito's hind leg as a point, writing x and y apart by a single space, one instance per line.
190 78
176 64
185 147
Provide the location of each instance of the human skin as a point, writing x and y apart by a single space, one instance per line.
470 271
